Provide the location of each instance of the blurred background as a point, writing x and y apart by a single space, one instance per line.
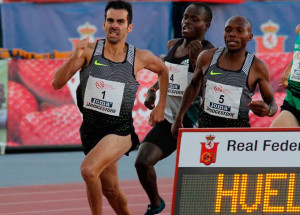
37 36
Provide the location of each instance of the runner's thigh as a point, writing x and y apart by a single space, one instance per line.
285 119
109 150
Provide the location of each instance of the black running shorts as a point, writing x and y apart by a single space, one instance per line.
286 106
91 135
161 136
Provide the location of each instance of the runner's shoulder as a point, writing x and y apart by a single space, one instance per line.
207 53
172 42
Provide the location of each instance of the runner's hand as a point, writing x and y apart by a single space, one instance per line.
259 108
80 47
150 99
157 115
284 80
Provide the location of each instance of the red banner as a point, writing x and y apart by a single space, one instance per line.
39 115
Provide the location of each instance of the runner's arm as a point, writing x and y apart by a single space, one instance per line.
191 91
268 106
284 79
73 64
147 60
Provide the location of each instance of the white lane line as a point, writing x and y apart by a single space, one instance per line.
77 190
71 209
67 200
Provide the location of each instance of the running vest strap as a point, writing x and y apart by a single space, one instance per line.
226 94
107 76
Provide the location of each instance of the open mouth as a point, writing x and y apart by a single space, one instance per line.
113 33
232 43
186 29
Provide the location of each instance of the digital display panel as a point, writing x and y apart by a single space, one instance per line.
238 191
215 174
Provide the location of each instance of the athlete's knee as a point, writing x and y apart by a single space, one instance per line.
88 173
148 156
143 164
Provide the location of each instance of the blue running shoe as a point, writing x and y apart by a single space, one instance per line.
151 211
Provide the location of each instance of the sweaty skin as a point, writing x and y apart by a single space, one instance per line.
237 34
287 118
99 169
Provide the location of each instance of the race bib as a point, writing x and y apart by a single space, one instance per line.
295 71
178 78
222 100
104 96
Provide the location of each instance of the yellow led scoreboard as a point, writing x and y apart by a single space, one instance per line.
237 171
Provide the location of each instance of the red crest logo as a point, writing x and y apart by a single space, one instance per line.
270 41
209 150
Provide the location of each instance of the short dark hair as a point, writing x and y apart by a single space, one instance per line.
250 23
119 4
207 10
247 21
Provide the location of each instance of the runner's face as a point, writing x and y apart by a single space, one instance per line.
237 33
116 25
193 25
298 29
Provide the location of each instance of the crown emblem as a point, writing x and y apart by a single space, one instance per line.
86 29
210 137
269 27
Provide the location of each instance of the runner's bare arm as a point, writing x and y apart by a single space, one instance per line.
284 78
191 91
268 106
146 59
73 64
